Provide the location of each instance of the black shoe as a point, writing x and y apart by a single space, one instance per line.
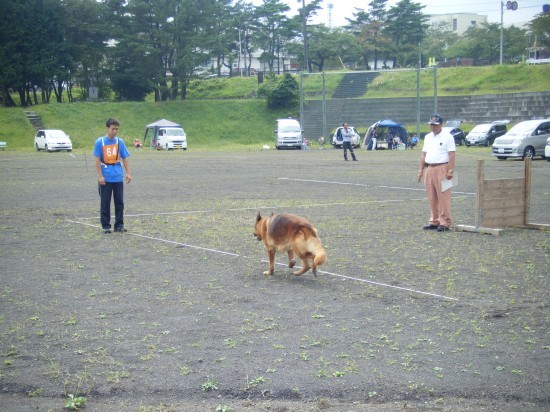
107 230
346 160
443 229
430 227
354 160
120 229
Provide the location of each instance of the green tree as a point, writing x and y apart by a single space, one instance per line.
11 56
482 43
540 30
271 25
368 27
437 42
328 45
281 93
405 27
32 55
232 39
195 38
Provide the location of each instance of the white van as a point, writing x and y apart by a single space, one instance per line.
165 135
169 138
288 134
525 139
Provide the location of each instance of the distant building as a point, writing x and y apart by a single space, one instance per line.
281 65
538 55
457 22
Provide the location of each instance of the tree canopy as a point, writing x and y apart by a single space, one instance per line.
57 49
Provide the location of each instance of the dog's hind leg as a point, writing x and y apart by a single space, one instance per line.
314 267
305 267
291 260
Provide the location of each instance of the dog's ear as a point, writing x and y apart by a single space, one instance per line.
258 217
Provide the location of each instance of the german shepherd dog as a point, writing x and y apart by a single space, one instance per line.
295 235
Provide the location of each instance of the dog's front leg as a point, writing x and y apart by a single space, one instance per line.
271 254
291 260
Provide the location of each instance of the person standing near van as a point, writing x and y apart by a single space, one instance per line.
346 142
374 140
436 164
110 151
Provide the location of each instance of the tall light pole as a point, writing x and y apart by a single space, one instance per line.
501 29
304 33
510 5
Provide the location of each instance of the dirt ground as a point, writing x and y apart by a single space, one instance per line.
175 314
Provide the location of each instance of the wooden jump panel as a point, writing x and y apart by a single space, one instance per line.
502 203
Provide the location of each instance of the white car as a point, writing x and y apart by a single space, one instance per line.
547 150
337 137
525 139
51 140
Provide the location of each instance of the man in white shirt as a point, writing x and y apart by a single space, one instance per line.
346 142
437 163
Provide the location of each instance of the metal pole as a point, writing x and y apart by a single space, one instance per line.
435 89
418 93
324 108
301 102
304 30
501 29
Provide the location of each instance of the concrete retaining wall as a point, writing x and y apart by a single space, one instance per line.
472 109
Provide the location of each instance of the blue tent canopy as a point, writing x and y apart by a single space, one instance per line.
388 123
380 126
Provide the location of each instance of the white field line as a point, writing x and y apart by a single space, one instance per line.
180 244
256 208
365 185
189 212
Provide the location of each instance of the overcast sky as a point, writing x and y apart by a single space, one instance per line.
341 9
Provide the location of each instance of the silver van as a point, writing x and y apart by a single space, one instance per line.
288 134
486 133
525 139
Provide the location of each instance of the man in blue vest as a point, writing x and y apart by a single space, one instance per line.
110 152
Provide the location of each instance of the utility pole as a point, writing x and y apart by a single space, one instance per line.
501 29
304 34
510 5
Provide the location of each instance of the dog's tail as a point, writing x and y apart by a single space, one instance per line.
320 256
315 247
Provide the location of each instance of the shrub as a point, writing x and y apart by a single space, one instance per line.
280 94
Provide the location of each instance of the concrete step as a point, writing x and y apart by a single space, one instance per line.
354 85
35 120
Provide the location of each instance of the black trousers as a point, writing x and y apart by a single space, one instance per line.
116 191
347 145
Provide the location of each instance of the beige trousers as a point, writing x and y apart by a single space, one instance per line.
439 202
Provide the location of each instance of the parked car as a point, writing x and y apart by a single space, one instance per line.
525 139
337 137
288 134
547 150
453 127
485 134
51 140
165 135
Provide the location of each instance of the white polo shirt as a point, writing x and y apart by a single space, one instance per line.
437 147
346 134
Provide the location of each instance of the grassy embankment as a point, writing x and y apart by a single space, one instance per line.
225 113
